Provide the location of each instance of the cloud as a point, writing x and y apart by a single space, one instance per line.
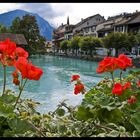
45 10
5 7
56 13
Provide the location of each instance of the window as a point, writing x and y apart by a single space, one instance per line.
117 29
87 23
93 28
121 29
86 30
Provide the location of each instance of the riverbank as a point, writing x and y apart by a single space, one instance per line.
95 58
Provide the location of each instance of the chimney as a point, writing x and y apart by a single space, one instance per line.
136 11
61 24
81 19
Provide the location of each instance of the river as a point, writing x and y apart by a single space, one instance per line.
55 86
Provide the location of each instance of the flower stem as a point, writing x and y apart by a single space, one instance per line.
112 76
21 89
4 78
120 76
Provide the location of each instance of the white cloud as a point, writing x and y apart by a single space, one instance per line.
56 13
5 7
76 11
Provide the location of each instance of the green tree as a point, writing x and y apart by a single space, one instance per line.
15 27
4 29
138 36
29 27
74 44
90 43
64 45
120 40
84 43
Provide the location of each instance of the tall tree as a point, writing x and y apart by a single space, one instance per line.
29 27
15 27
120 40
74 44
90 43
64 45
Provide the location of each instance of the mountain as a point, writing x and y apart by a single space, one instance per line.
45 28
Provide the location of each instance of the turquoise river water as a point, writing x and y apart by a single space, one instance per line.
55 86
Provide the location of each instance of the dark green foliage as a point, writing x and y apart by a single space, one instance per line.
90 43
120 40
29 28
64 45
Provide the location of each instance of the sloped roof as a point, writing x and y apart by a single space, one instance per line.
135 20
105 29
86 19
123 21
130 19
19 39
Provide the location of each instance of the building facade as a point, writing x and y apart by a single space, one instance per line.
97 26
87 26
63 32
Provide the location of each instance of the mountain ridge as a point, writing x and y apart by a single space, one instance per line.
45 28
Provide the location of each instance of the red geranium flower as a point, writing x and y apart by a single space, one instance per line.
138 83
108 64
131 100
7 49
117 89
127 61
74 77
15 74
28 70
21 65
20 52
127 85
16 81
33 73
78 88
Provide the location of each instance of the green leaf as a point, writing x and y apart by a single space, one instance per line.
112 116
62 128
83 113
19 126
5 110
107 104
122 129
135 120
8 99
136 133
89 132
8 133
60 112
102 135
113 133
112 125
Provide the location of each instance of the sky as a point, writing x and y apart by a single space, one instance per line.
57 13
